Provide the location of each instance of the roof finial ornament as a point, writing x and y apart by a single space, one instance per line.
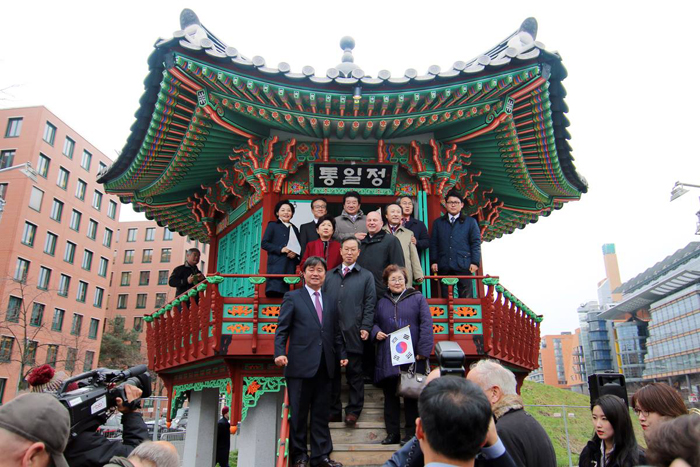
347 65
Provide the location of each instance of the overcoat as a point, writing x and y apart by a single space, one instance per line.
457 246
275 238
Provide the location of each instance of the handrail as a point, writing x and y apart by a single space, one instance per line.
283 440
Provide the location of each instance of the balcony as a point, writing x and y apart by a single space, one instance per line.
202 324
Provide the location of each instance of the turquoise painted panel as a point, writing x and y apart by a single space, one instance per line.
239 253
468 328
467 312
232 310
438 311
267 328
237 328
439 328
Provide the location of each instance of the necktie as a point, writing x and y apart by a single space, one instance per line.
346 270
452 220
325 249
319 309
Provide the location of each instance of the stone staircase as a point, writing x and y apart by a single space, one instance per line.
361 444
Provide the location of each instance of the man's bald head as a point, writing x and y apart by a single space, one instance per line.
155 454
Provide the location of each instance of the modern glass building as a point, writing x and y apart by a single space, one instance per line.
661 309
598 353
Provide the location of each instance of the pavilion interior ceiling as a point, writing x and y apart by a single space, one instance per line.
214 126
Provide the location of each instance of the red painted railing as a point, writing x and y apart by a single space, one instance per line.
190 328
283 441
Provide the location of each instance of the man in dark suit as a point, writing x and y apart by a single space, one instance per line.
455 245
223 439
309 322
307 232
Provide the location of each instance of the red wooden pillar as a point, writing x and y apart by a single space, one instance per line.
270 199
234 373
168 381
212 260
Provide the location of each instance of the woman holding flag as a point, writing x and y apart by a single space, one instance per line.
401 307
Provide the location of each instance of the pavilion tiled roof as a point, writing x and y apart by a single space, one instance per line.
518 145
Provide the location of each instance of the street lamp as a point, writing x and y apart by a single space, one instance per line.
679 189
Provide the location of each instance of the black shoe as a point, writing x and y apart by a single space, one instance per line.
391 439
301 463
335 418
328 462
406 439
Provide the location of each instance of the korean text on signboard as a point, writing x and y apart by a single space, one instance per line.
337 178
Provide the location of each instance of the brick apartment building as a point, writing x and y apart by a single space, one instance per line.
58 234
144 256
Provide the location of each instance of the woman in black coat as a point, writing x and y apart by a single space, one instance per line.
613 443
280 259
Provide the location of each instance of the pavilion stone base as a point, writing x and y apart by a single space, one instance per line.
200 443
259 432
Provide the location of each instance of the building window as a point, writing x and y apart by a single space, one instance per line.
119 322
14 127
128 256
122 300
14 306
50 243
3 191
147 256
97 200
102 166
71 357
162 277
167 234
92 229
160 300
150 234
75 218
44 278
107 238
49 133
89 357
30 352
68 147
37 314
57 323
6 345
112 209
62 180
51 354
99 295
28 234
126 278
3 383
82 291
138 323
165 254
102 270
6 158
57 210
94 327
87 260
144 277
77 325
63 285
86 160
42 167
36 198
131 235
80 190
141 300
22 269
69 255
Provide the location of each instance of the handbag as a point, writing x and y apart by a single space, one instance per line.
411 383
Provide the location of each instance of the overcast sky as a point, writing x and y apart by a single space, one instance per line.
631 94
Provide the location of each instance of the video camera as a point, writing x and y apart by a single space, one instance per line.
450 357
97 394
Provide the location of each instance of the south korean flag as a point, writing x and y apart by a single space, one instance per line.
401 347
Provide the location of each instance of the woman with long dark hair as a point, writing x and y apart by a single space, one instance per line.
613 443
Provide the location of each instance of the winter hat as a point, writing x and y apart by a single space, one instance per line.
45 379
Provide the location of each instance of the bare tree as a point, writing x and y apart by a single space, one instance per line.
24 322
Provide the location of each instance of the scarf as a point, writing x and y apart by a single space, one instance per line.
506 404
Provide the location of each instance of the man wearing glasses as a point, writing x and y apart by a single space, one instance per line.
455 245
307 232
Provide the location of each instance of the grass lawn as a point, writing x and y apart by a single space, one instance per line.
578 421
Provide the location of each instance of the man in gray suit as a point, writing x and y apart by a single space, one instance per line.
356 295
308 321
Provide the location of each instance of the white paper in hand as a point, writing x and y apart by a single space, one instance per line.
293 243
401 347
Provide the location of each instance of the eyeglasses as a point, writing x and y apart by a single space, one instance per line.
397 280
639 412
453 202
319 206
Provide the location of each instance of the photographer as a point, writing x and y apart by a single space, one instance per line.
187 275
89 448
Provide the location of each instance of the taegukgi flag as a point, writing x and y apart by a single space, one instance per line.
401 347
